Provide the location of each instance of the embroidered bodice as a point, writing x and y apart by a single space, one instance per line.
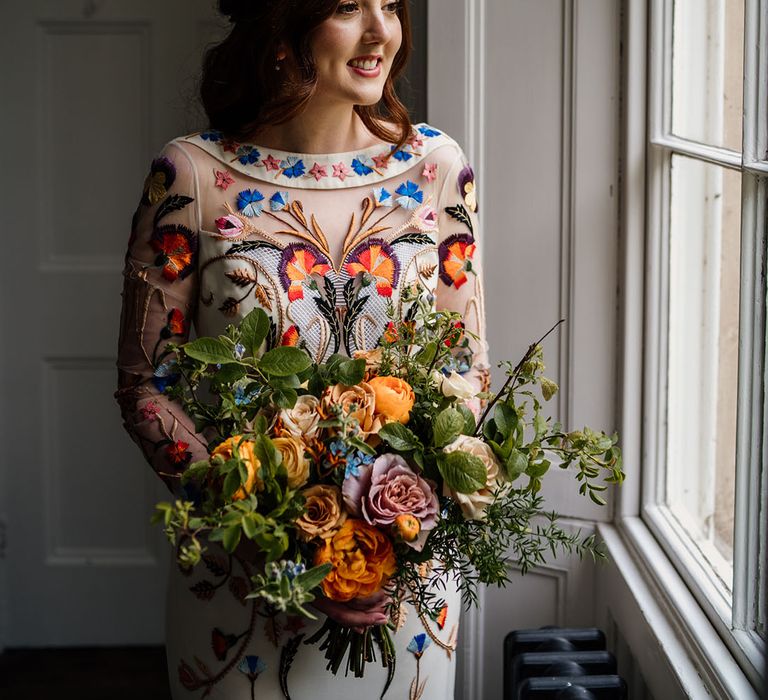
329 245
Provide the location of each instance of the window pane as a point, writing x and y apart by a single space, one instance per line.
704 243
707 71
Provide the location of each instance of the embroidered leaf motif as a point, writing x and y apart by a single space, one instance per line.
368 207
170 204
459 213
287 655
217 565
273 630
317 230
371 231
230 306
297 208
242 277
207 300
263 296
204 590
426 271
250 246
411 313
414 238
238 587
203 668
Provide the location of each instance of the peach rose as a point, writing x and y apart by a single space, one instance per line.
362 558
364 398
294 460
323 513
252 464
394 398
372 361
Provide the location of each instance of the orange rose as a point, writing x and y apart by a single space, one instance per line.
362 396
362 558
246 452
394 398
323 512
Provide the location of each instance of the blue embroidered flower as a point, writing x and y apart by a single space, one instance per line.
293 167
363 165
382 197
410 195
213 135
248 155
429 131
165 375
418 645
278 201
248 202
401 155
252 666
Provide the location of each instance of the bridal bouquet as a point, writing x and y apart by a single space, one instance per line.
371 472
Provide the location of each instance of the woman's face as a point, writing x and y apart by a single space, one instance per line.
354 48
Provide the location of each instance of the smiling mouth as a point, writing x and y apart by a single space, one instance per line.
366 64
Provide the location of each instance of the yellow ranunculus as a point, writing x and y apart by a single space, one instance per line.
394 398
252 464
294 460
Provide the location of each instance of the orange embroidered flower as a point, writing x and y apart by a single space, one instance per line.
177 452
376 258
297 265
176 246
252 465
291 336
456 253
362 558
394 398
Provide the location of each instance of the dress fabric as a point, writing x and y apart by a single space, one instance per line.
327 245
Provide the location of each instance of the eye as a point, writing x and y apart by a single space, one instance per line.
393 7
346 8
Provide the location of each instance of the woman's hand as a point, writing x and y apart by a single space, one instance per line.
357 613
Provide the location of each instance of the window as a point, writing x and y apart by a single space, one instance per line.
704 493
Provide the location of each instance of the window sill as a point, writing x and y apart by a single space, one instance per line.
698 657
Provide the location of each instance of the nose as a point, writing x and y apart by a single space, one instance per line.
377 28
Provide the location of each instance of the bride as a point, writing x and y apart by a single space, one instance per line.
311 160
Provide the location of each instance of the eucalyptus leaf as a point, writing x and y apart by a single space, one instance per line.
462 472
284 361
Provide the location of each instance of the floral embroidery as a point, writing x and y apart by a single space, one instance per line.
278 201
410 195
297 264
429 131
177 452
401 155
150 411
382 197
466 183
229 226
176 247
252 666
318 171
341 171
427 217
248 202
165 375
374 257
456 253
221 643
248 155
271 163
363 165
417 646
429 172
177 325
292 167
381 161
290 337
162 174
441 617
213 135
415 141
223 179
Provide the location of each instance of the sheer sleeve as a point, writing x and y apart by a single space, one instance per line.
460 285
159 297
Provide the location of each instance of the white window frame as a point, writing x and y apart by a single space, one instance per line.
718 639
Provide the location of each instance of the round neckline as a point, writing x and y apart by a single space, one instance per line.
341 155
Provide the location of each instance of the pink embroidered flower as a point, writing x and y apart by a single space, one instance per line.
430 172
341 171
271 163
381 161
150 411
317 171
428 216
416 141
229 225
223 179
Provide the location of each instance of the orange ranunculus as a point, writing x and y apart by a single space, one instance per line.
394 398
362 397
362 558
246 452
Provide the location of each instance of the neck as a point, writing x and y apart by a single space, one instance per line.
332 129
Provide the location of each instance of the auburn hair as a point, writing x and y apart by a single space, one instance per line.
242 92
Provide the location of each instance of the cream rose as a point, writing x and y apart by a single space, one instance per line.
364 398
302 419
454 384
473 505
294 460
323 512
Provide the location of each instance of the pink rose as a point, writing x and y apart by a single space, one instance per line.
389 488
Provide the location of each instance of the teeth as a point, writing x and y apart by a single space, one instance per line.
365 65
